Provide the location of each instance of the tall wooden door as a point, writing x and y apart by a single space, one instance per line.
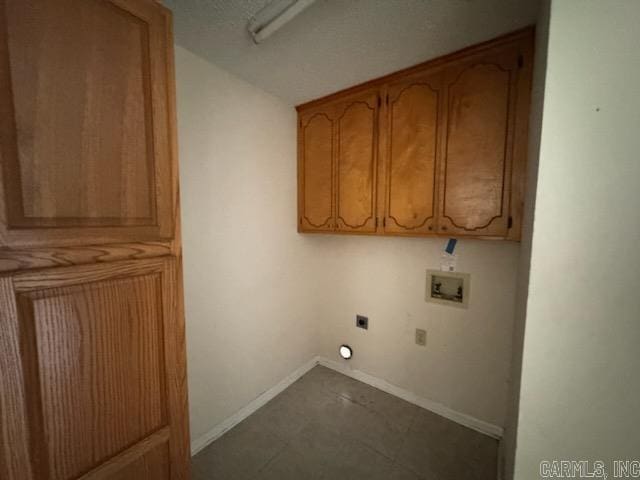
316 170
356 148
413 108
478 140
92 360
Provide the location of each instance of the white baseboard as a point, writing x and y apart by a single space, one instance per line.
251 407
435 407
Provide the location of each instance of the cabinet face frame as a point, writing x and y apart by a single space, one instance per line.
523 41
17 229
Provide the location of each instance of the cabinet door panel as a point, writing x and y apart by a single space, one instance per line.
412 140
478 145
94 371
316 170
356 162
86 145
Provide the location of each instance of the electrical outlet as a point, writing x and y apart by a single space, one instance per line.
421 337
362 322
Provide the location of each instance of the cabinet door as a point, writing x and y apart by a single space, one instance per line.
92 373
85 122
412 126
315 171
356 163
481 93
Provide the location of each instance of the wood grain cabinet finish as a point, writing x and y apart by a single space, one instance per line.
475 180
356 163
449 146
316 167
337 165
412 151
92 347
84 121
90 365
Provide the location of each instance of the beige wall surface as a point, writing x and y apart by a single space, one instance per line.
580 384
465 365
261 299
249 287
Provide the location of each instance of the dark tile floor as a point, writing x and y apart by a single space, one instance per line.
329 426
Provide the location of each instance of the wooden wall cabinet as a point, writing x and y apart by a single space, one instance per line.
437 149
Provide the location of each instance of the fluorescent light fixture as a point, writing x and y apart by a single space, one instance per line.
273 16
346 352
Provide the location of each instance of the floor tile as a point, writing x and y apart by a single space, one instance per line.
444 450
355 422
307 456
239 454
283 417
291 464
327 426
305 397
318 443
393 409
357 461
398 472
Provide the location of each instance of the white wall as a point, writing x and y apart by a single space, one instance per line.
580 382
465 365
246 272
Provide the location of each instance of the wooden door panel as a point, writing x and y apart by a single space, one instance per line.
52 104
356 162
147 460
478 145
96 349
85 132
317 172
151 466
412 139
92 347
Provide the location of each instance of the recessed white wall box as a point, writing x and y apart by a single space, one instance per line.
448 288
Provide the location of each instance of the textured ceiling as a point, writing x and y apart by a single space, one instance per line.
338 43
